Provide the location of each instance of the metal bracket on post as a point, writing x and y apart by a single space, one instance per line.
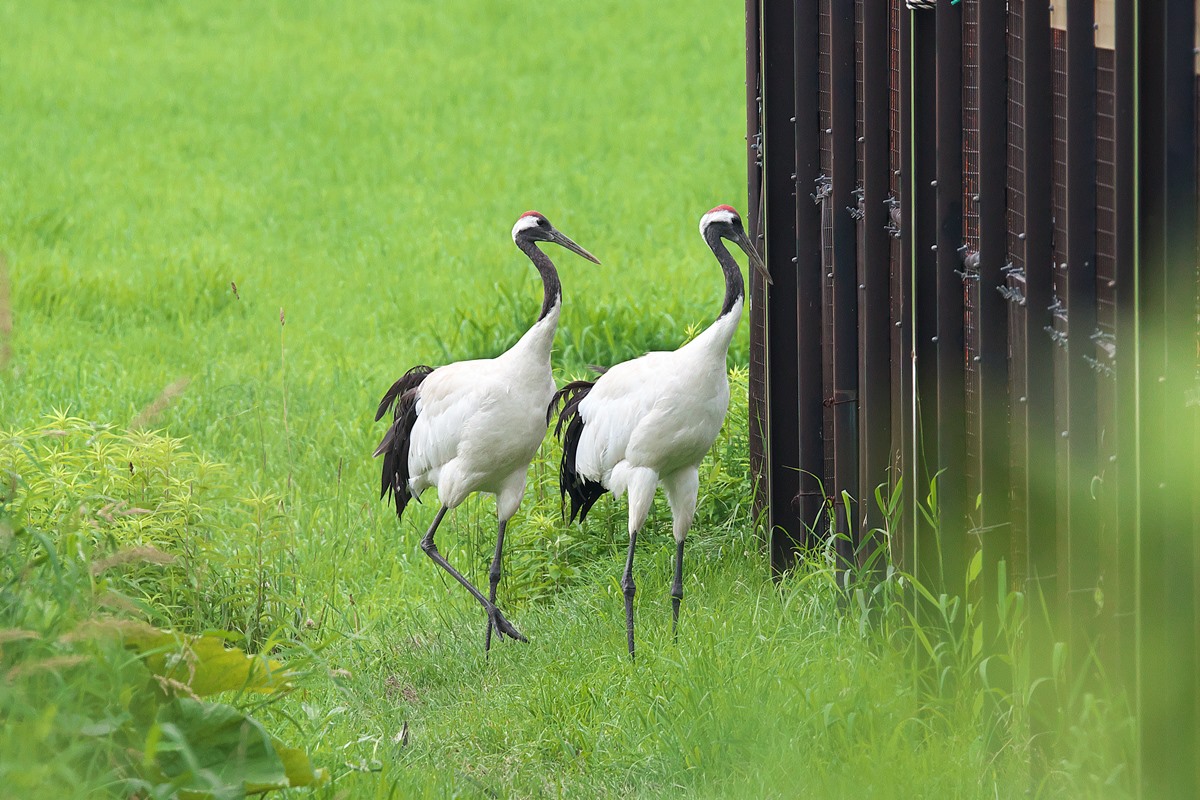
1058 337
857 211
970 262
1011 294
894 216
824 189
1106 363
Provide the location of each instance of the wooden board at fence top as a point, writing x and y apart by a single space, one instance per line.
1106 16
1106 24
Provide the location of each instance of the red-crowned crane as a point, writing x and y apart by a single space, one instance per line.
474 426
651 420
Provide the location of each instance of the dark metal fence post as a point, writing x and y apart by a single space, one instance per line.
992 315
809 502
922 136
899 319
1037 405
1122 586
951 344
1014 293
1103 355
874 385
845 292
903 375
1166 291
1083 541
759 463
779 213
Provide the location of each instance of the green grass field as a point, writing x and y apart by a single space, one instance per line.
355 169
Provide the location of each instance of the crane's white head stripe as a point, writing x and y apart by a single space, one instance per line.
527 221
718 214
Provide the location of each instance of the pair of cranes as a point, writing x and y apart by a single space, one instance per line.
474 426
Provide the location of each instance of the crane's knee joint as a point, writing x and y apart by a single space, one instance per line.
677 591
428 545
628 586
494 574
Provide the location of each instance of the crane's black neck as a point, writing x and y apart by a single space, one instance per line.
735 289
551 288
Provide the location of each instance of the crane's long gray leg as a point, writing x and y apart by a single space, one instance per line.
680 488
677 590
630 589
641 485
494 616
494 578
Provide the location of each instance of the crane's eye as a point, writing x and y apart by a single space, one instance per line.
543 221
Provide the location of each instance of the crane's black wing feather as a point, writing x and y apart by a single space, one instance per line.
584 491
394 447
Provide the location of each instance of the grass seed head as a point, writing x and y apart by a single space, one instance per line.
150 414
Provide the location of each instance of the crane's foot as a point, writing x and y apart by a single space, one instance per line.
502 627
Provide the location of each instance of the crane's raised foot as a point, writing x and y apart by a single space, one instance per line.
502 626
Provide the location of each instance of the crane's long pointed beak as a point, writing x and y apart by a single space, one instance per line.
558 237
755 259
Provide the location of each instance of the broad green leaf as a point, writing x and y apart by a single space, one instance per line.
214 750
202 663
299 769
975 567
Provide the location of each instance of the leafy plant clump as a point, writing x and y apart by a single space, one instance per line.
93 524
166 536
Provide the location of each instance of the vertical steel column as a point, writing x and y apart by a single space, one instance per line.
874 342
951 343
992 314
1038 403
1083 520
779 214
809 503
922 221
845 315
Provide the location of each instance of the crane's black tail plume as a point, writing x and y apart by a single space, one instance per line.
584 491
394 447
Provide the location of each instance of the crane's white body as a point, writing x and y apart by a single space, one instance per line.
652 420
474 426
479 423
